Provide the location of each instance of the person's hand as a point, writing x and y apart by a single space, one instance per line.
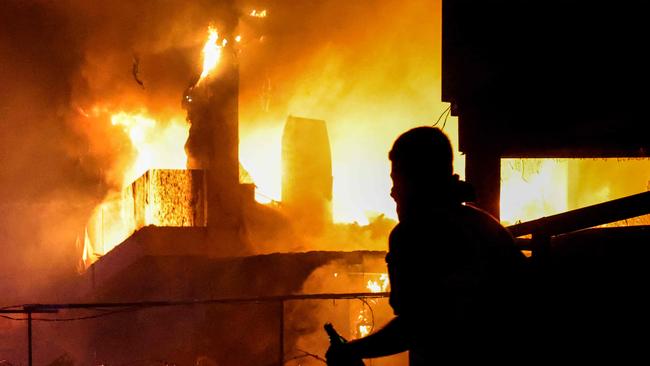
340 355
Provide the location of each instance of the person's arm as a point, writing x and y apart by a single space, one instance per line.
387 341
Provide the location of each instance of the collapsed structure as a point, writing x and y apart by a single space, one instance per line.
205 252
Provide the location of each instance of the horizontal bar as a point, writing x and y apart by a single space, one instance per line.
145 304
586 217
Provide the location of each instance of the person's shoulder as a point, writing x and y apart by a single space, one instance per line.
474 212
484 221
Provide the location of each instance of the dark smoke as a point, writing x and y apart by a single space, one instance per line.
58 61
61 59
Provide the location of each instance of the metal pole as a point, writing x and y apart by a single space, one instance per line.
281 338
29 337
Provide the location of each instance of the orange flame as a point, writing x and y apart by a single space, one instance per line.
532 188
258 13
379 286
157 146
364 326
211 53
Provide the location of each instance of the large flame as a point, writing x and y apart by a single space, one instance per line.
157 145
211 53
369 88
360 165
158 198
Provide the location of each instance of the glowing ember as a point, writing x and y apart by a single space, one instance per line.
364 330
211 53
258 13
364 318
379 286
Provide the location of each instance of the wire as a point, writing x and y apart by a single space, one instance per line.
148 362
448 109
266 196
124 307
73 319
11 307
305 354
372 314
446 116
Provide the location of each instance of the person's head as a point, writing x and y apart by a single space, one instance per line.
422 165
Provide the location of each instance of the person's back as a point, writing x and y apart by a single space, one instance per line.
455 276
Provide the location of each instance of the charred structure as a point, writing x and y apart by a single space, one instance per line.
528 80
213 144
548 80
307 173
208 254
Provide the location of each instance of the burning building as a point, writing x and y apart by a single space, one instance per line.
191 230
197 232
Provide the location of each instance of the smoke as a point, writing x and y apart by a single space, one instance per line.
370 69
66 66
45 187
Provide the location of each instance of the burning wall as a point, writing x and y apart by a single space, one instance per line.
212 106
174 198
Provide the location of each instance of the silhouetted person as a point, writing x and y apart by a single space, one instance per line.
454 270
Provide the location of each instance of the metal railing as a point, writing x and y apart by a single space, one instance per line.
30 309
544 228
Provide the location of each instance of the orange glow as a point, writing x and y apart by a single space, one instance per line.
364 330
159 198
157 145
259 152
211 53
364 318
533 188
369 89
258 13
379 286
361 171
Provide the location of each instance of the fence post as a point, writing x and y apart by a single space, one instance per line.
29 338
